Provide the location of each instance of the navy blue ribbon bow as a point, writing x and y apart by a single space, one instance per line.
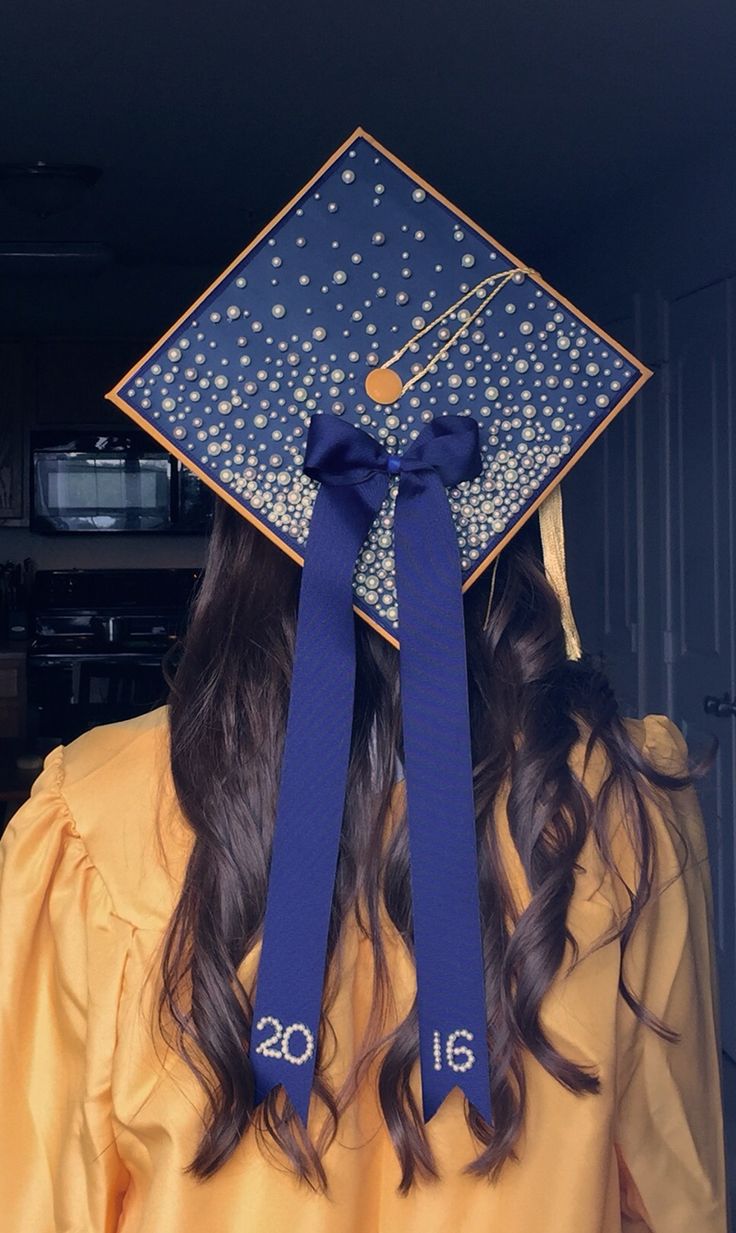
354 472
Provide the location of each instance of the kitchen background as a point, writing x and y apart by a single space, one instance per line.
103 538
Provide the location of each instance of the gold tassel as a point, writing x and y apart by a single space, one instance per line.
552 531
491 589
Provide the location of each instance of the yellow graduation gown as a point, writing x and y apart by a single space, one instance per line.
98 1122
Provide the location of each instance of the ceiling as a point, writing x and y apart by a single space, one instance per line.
206 118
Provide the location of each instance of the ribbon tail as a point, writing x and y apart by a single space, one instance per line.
291 971
453 1045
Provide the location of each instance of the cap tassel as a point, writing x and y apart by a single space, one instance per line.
385 386
552 531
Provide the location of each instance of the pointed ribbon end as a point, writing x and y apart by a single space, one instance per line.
476 1093
298 1098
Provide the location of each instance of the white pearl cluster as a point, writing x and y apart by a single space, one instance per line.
357 266
277 1045
458 1057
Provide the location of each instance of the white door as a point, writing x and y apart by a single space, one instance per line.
651 529
699 573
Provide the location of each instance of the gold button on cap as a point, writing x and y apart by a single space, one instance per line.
383 385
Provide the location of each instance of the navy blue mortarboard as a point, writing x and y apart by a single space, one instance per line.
388 394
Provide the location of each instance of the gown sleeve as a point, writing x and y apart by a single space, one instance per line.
670 1123
62 953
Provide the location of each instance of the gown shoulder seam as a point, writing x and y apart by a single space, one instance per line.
56 762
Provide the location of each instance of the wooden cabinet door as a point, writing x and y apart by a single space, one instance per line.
12 695
14 400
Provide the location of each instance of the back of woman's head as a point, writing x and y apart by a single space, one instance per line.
529 706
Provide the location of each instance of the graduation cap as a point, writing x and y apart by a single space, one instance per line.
388 394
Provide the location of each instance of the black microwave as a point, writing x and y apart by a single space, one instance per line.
115 482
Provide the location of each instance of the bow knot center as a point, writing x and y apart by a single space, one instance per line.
341 454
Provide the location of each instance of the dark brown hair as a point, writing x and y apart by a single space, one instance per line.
229 690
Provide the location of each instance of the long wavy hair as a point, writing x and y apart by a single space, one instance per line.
229 688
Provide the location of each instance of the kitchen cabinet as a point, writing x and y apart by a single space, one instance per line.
12 692
14 404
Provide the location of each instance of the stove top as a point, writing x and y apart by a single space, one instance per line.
107 612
